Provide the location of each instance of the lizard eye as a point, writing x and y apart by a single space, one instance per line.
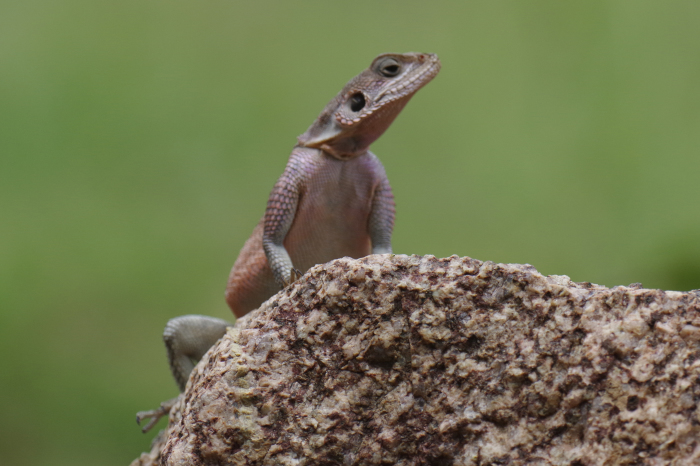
389 67
357 102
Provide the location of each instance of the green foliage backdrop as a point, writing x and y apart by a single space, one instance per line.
139 141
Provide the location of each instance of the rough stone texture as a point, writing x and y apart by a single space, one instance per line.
416 360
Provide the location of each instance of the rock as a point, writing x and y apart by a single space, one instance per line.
422 361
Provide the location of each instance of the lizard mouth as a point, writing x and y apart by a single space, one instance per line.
411 82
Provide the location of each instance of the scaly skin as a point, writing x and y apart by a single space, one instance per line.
332 200
317 198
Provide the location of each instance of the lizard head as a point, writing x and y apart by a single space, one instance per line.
368 104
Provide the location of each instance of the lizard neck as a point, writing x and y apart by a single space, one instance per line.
334 154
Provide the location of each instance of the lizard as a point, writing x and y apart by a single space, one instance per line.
332 200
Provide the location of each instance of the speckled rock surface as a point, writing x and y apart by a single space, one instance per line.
422 361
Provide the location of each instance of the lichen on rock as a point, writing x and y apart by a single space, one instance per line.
422 361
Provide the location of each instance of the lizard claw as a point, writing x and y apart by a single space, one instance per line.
294 275
154 414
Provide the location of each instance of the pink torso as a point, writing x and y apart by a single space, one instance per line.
331 221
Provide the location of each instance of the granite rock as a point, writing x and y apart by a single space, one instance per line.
421 361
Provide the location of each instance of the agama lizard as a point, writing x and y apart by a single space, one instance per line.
333 200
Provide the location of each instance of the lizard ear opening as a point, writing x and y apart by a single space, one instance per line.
357 102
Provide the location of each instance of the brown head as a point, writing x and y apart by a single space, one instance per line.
368 104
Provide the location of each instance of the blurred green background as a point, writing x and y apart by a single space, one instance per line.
139 141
